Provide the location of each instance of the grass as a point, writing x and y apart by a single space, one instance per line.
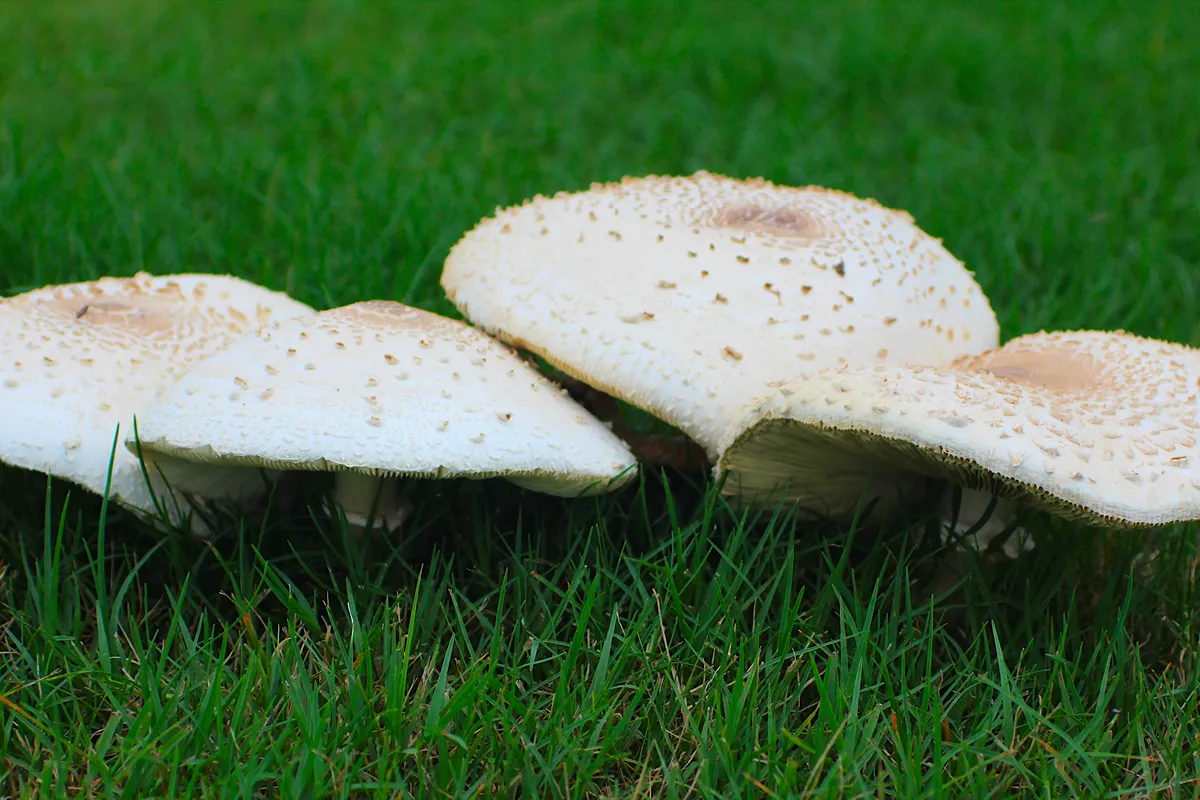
653 644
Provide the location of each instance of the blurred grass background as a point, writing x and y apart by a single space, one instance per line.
341 147
653 644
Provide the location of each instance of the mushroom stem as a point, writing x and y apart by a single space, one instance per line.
970 514
355 493
679 452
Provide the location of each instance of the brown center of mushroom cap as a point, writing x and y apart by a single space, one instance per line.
781 221
120 309
147 316
385 308
394 316
1058 368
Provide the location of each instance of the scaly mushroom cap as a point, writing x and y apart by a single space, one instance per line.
77 360
1095 426
690 297
384 389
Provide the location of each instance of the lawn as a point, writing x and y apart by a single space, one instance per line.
650 644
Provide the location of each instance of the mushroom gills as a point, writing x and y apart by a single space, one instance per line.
825 472
238 486
183 487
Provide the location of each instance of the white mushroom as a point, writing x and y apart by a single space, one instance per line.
376 390
78 360
691 297
1095 426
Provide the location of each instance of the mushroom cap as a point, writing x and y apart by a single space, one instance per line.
384 389
689 297
1094 426
79 359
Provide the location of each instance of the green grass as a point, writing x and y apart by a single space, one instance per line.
652 644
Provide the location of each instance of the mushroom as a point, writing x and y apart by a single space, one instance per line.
78 360
689 297
1093 426
375 391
